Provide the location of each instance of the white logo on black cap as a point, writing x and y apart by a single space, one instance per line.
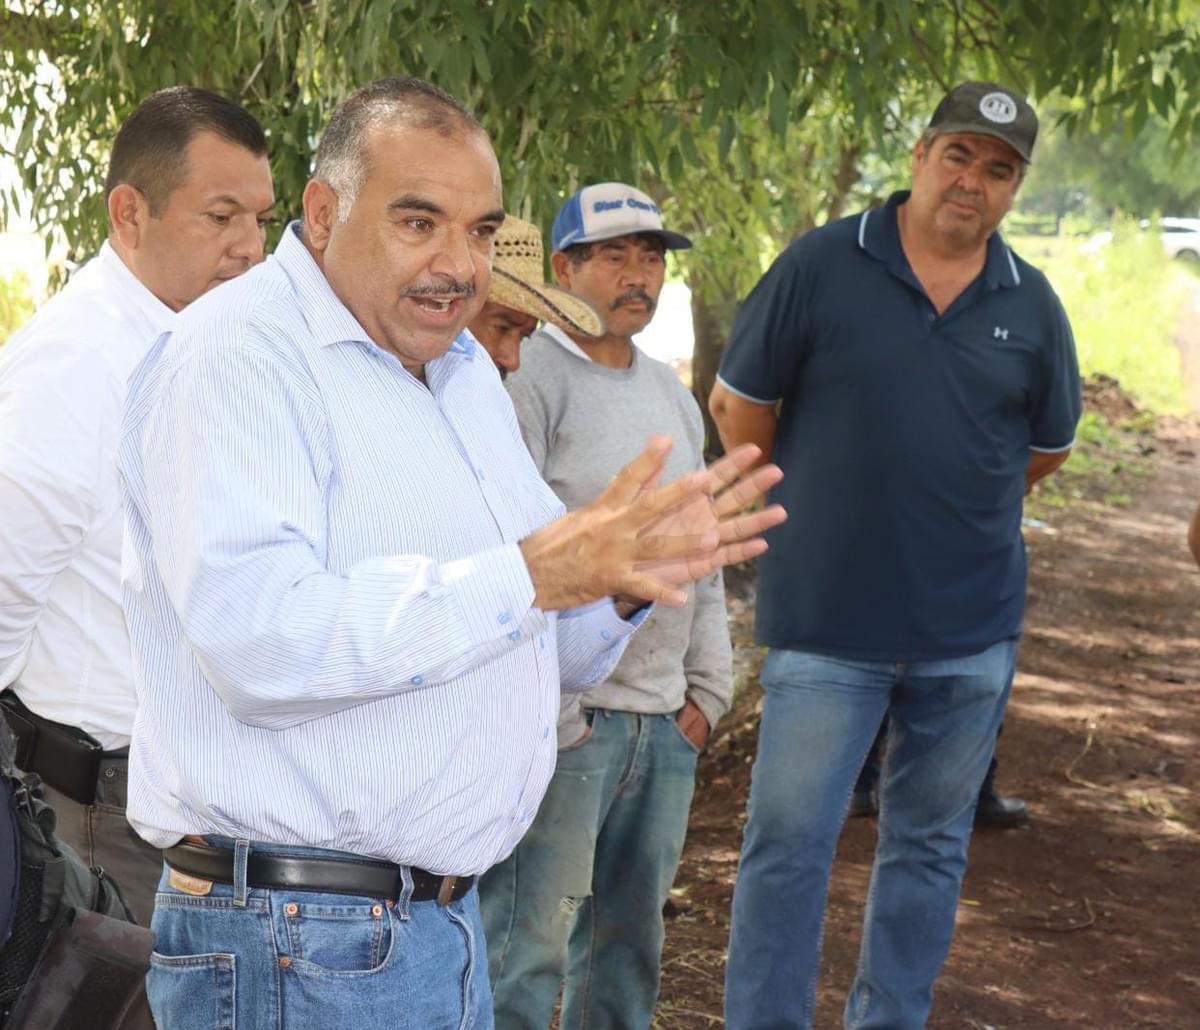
999 108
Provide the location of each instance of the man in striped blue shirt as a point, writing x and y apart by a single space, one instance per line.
353 602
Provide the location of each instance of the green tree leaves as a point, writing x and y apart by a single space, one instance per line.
739 107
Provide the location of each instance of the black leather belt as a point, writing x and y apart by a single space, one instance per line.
362 877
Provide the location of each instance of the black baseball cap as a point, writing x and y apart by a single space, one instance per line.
990 109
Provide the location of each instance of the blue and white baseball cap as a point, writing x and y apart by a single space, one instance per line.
606 210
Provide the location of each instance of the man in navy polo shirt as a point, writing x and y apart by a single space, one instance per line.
913 377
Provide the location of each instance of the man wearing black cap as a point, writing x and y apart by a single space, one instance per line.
910 428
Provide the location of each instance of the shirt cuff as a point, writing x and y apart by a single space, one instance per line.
493 589
710 706
605 621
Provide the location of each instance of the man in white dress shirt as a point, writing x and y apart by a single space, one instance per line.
353 601
189 190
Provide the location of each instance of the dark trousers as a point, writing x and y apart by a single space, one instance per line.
102 836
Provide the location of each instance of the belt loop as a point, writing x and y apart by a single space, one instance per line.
241 855
406 892
446 891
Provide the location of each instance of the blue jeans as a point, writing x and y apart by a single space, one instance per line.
820 716
582 895
299 960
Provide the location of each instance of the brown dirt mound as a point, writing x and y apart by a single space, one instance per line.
1103 395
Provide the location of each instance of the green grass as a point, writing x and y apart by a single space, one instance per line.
1123 301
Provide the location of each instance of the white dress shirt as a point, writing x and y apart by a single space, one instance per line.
332 624
62 387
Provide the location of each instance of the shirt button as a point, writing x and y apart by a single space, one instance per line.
545 732
932 317
416 681
504 618
605 635
479 473
515 635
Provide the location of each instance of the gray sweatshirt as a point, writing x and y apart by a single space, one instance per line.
582 422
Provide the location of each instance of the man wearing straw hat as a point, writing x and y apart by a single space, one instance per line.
520 298
582 895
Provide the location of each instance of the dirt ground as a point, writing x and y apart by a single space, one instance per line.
1089 916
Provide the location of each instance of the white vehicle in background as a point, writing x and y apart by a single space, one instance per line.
1181 237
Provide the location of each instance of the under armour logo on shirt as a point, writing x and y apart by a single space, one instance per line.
1000 334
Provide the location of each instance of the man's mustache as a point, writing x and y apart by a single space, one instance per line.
441 289
629 296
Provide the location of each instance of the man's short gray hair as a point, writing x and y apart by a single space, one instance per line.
343 155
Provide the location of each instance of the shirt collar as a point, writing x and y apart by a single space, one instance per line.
879 236
563 340
328 319
160 317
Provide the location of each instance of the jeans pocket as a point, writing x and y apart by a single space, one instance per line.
584 736
338 939
193 992
691 745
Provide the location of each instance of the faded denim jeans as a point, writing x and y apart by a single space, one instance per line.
581 897
820 716
299 960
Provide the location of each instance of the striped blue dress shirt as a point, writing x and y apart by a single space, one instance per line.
333 635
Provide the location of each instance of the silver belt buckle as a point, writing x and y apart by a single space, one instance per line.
446 890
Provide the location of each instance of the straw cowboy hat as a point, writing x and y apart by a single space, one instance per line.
518 281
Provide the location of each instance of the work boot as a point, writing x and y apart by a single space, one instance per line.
1002 813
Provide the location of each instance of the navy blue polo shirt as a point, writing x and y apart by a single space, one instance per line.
904 438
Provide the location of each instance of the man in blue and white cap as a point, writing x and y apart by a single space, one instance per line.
581 898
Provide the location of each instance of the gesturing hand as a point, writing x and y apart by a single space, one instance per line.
641 540
724 504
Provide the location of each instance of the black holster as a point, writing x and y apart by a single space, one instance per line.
64 756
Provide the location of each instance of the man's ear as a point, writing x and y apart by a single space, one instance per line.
320 205
128 213
560 264
920 154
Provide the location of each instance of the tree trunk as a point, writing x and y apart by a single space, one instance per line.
710 324
843 181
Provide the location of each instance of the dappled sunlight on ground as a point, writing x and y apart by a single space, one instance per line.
1090 915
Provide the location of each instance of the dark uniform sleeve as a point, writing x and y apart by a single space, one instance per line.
766 348
1059 401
